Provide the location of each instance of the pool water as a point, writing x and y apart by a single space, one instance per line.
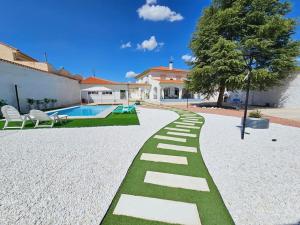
82 110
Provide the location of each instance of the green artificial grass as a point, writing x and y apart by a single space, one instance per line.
110 120
210 205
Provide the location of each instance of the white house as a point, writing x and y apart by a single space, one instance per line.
166 84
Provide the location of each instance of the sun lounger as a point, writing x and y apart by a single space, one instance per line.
11 114
40 116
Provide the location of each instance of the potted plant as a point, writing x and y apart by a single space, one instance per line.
256 121
46 102
30 102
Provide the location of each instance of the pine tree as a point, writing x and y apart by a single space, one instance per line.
235 36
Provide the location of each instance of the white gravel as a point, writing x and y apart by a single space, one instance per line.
259 180
68 175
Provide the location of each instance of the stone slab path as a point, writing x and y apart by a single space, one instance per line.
176 181
164 158
158 210
168 182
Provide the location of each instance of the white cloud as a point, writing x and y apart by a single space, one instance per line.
126 45
153 12
131 74
188 58
150 44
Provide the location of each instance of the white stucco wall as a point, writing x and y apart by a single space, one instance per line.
36 84
284 96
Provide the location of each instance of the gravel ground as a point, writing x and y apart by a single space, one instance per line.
259 180
68 175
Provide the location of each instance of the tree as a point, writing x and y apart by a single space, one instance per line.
234 36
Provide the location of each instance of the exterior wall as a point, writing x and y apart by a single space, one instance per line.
284 96
6 53
37 85
108 99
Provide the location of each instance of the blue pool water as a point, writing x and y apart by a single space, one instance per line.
82 110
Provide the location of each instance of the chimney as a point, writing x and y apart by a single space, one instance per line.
171 64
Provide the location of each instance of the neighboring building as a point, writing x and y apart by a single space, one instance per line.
35 80
97 90
167 84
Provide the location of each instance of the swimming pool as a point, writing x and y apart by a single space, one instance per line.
82 111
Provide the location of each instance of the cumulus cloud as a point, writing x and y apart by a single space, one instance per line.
151 11
150 44
131 74
126 45
188 58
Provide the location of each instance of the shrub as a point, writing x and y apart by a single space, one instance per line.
255 114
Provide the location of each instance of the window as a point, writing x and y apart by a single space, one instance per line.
93 92
122 94
107 93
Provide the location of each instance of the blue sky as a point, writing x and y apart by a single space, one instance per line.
83 36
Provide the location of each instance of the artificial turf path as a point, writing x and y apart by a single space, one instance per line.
205 201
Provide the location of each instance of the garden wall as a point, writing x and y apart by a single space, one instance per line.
37 85
286 95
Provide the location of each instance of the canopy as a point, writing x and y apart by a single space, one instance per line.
97 88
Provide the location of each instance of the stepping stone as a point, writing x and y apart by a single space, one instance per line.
162 137
164 158
177 147
189 127
177 129
184 123
156 209
191 121
176 181
181 134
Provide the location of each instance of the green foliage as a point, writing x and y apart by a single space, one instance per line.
233 36
2 103
30 101
255 114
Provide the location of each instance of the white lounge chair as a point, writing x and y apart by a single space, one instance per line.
39 116
11 114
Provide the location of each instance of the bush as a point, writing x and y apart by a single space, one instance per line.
255 114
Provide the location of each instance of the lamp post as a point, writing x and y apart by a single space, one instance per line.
187 80
249 59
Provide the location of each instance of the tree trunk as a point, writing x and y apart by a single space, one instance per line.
221 95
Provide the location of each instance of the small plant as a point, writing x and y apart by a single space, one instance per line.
46 102
53 101
2 102
38 103
30 102
255 114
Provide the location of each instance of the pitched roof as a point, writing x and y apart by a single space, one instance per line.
161 69
171 81
96 80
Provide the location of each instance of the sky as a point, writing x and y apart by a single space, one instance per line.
111 39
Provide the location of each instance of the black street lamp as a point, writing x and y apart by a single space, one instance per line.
249 59
187 80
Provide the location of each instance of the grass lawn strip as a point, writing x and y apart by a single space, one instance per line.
141 203
110 120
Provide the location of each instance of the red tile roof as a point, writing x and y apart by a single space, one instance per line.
161 69
171 81
96 80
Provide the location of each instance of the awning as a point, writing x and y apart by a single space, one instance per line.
96 89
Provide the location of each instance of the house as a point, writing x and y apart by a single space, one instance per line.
167 84
101 91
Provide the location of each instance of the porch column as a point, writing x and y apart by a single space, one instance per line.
162 93
180 93
158 93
